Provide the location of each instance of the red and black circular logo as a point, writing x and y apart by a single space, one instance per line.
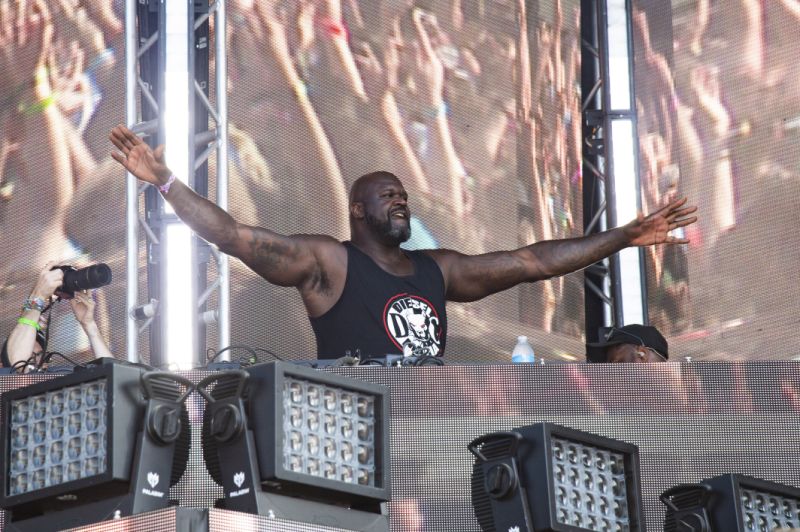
413 325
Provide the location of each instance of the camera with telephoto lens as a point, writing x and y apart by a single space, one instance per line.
87 278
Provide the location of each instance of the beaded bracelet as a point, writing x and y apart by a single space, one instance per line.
34 303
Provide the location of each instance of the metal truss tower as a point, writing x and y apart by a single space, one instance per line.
615 288
147 32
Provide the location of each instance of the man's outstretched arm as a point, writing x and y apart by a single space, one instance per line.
282 260
472 277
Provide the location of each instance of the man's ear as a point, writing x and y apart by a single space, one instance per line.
357 210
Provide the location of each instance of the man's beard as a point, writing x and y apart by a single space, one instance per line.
392 235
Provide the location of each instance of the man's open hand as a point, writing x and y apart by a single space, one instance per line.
138 158
656 227
26 35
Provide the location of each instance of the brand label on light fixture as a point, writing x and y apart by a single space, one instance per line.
153 479
237 493
238 479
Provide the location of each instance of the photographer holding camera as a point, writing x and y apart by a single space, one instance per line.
27 343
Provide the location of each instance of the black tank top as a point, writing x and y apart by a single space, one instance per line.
380 314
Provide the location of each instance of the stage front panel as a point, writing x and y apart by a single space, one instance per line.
690 422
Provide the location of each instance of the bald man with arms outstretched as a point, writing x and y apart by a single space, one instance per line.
367 294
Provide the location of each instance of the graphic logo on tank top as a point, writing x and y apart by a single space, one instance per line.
413 325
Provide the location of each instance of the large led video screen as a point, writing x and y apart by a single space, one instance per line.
719 121
429 93
61 196
320 93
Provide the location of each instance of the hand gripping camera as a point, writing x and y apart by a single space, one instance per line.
87 278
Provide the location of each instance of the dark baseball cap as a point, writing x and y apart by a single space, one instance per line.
630 334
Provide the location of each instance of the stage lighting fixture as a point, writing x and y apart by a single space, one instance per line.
546 477
731 503
299 443
109 439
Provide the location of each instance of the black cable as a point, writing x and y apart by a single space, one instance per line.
270 353
48 356
254 359
405 362
44 359
34 361
428 360
373 362
231 347
253 352
22 365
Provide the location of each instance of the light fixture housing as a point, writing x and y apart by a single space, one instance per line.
547 477
284 438
732 502
73 446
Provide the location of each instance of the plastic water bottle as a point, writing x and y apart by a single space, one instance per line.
523 352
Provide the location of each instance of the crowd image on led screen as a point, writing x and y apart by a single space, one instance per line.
321 92
484 128
61 63
432 91
719 118
427 89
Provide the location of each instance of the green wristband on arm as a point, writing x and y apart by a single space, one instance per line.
31 323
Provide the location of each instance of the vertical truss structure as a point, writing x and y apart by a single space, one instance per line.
145 56
605 286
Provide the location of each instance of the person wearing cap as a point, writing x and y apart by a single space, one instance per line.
631 343
28 339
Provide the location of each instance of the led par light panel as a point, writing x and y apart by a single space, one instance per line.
590 486
59 436
56 439
325 435
742 504
574 481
